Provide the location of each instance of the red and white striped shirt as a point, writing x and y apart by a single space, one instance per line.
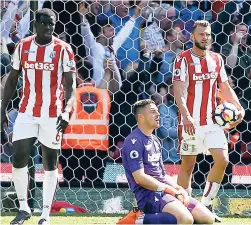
201 76
42 70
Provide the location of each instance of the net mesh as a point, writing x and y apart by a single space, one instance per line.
91 175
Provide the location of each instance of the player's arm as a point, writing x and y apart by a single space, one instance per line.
11 84
179 78
134 156
226 93
179 88
9 90
148 182
69 68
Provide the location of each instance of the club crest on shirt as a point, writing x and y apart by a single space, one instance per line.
177 72
134 154
71 64
53 54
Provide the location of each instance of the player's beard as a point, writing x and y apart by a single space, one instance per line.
198 45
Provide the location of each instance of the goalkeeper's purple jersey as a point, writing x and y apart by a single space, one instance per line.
141 151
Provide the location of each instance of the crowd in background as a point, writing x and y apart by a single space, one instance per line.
135 64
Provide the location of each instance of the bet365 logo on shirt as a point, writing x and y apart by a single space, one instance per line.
39 66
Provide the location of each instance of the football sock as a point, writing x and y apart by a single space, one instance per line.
157 218
210 192
189 191
49 187
21 180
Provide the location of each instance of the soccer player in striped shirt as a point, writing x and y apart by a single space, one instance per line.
44 61
198 72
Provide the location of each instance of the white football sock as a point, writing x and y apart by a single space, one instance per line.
49 187
210 192
140 219
189 191
21 181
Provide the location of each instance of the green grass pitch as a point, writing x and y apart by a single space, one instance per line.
103 219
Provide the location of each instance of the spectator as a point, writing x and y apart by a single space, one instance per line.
8 19
5 59
167 131
238 59
227 19
154 34
85 141
119 13
94 7
174 44
105 45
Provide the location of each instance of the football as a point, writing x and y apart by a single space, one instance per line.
225 114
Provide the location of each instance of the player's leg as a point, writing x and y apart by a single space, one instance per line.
194 212
216 142
51 141
179 211
215 176
186 171
50 163
188 151
152 212
22 146
167 208
200 213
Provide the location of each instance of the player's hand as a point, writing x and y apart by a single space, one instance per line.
238 37
138 8
189 125
109 64
4 121
181 195
83 8
185 195
158 52
63 121
239 120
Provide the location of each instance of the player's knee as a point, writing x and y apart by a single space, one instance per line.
206 219
19 159
186 218
187 167
50 158
209 219
222 163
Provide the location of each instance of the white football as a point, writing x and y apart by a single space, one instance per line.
225 114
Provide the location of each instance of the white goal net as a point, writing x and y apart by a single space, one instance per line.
91 174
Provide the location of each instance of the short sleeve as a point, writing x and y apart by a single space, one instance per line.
16 61
180 69
132 152
68 60
222 76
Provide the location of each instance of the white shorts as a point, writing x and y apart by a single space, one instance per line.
44 129
205 138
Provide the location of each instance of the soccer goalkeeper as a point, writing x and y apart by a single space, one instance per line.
160 199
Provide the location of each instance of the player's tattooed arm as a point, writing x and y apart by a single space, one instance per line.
70 93
9 90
